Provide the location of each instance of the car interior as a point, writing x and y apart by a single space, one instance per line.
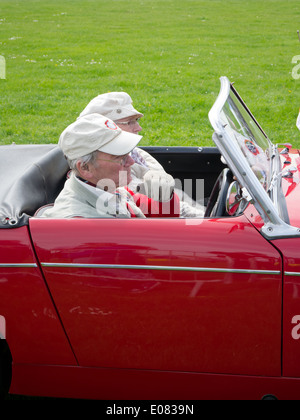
34 175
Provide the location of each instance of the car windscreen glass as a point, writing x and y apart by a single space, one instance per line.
241 126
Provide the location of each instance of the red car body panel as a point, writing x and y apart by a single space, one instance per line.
291 290
291 293
128 315
34 331
291 306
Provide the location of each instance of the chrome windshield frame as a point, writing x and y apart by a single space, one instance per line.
274 226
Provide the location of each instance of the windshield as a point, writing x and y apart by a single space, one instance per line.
254 144
253 160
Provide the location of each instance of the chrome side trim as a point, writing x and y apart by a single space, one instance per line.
160 268
290 273
2 328
21 265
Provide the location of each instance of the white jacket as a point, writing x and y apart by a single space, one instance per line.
78 199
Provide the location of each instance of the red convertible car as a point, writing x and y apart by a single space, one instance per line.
157 309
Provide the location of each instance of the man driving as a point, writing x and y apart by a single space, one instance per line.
118 107
98 152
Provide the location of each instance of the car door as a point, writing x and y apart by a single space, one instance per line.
172 295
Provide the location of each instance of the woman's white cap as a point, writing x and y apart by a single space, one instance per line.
114 105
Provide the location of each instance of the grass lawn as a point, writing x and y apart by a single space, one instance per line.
167 54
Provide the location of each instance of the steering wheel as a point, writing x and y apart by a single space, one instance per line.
216 206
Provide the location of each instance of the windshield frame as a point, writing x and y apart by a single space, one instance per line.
276 223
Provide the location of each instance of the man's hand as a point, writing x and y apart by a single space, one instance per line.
158 185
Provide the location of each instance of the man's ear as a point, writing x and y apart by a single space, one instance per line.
83 170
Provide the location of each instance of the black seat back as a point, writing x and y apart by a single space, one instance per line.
32 176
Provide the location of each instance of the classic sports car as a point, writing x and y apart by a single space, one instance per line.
156 308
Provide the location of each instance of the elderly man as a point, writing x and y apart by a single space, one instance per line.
98 152
118 107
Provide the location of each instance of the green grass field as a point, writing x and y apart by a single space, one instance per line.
167 54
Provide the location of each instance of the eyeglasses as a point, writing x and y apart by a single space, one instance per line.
129 123
120 161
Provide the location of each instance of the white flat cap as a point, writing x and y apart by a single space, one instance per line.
96 132
114 105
